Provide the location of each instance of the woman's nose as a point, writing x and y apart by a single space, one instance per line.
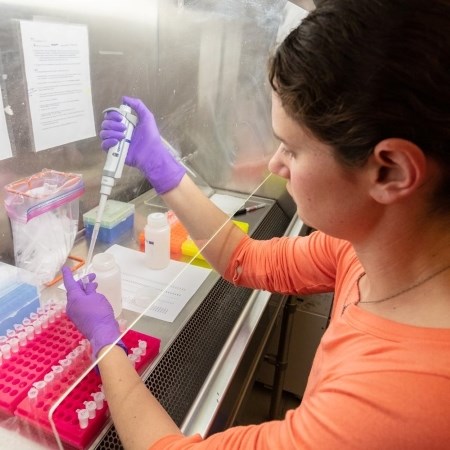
276 164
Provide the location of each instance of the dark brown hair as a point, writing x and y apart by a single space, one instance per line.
358 71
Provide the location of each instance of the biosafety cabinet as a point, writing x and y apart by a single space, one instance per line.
201 67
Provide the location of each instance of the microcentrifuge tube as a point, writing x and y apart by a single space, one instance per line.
34 316
40 386
90 407
132 357
14 343
40 311
18 327
26 322
83 418
32 395
138 353
51 315
99 398
84 343
58 310
10 333
44 321
49 378
122 325
22 336
29 332
6 351
79 350
57 370
37 325
65 363
3 340
143 346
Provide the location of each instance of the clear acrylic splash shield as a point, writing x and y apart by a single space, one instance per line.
68 407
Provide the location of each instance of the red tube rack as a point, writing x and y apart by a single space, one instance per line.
33 361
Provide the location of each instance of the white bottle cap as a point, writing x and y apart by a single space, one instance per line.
103 261
157 220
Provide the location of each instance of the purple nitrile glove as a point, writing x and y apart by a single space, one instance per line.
147 151
91 312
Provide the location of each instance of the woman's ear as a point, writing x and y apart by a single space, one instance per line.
398 168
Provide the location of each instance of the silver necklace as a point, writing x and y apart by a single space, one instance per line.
389 297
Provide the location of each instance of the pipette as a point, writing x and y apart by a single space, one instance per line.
112 171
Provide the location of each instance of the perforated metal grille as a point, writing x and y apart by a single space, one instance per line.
179 375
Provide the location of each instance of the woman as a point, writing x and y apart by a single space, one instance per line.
361 106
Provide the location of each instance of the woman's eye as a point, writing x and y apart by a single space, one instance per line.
287 152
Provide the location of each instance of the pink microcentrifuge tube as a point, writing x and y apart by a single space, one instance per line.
6 351
14 343
3 340
34 316
83 418
26 322
99 398
90 407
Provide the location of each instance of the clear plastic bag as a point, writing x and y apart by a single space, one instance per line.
43 210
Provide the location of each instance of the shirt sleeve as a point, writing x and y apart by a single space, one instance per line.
299 265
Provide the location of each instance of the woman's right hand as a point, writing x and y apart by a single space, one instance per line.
147 151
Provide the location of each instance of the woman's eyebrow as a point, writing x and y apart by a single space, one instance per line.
277 137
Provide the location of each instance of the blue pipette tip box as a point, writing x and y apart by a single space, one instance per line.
118 218
19 296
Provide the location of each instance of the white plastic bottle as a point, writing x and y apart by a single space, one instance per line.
157 241
108 277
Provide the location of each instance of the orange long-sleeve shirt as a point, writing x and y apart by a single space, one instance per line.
374 384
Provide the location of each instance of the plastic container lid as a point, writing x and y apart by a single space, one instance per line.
114 213
103 261
157 220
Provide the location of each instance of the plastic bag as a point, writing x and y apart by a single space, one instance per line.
43 210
